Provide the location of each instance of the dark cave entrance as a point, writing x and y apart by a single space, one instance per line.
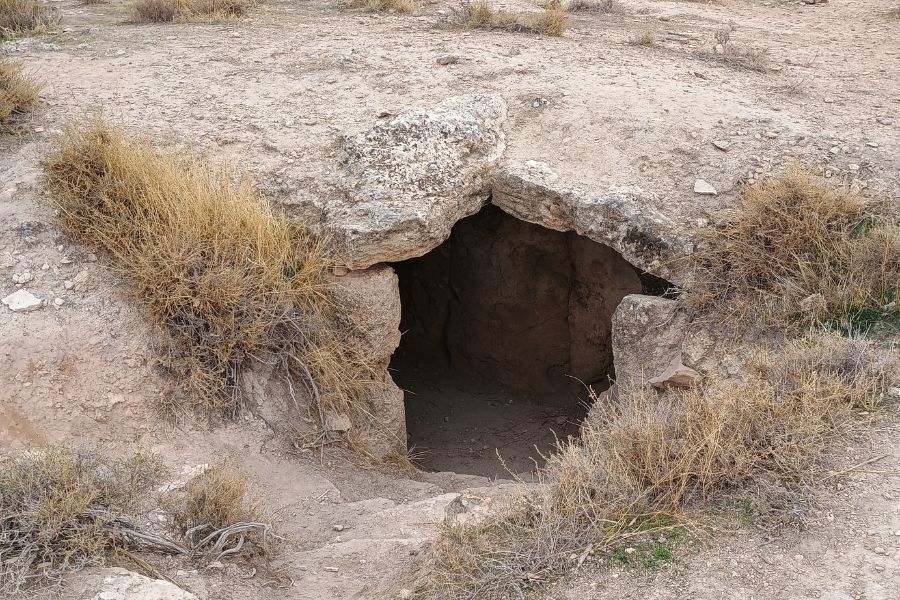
503 324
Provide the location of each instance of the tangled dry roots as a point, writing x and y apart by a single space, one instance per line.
646 459
216 518
63 509
226 276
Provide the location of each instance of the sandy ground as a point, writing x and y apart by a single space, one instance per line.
273 92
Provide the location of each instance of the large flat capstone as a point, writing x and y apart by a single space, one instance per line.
619 216
406 181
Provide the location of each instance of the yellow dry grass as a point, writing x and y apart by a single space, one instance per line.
646 38
226 276
646 459
59 510
217 498
800 251
552 21
384 6
18 93
216 516
166 11
599 6
26 16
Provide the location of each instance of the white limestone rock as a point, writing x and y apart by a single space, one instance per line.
22 301
408 180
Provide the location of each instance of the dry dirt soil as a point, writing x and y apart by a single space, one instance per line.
274 91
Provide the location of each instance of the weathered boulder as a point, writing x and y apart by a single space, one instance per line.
22 301
122 584
406 181
370 308
647 337
620 216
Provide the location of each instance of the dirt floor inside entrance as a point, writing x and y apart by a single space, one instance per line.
504 325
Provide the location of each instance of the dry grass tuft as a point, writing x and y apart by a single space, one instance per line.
800 251
646 38
645 460
229 278
552 21
216 518
599 6
384 6
26 16
737 55
18 93
216 498
167 11
63 509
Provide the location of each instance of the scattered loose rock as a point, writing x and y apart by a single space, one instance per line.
702 187
22 301
676 375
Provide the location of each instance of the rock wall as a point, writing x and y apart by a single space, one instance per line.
516 295
370 303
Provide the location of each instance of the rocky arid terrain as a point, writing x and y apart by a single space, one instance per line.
510 216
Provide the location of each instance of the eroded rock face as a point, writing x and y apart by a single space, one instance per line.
618 216
370 305
408 180
648 334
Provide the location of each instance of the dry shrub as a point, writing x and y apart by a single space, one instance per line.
395 6
737 55
155 11
18 93
216 498
646 38
216 517
166 11
229 278
551 21
26 16
63 509
645 459
600 6
744 57
797 250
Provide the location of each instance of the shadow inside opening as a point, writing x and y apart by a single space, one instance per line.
504 325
